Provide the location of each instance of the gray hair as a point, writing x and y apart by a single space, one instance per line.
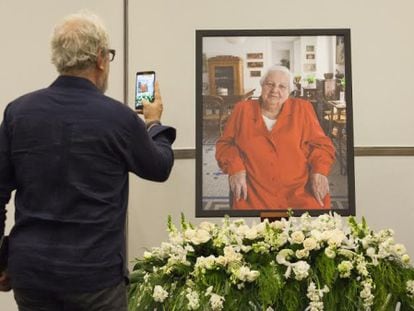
77 40
280 69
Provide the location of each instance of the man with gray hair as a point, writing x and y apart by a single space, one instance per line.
67 151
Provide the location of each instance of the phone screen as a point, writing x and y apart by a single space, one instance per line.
144 88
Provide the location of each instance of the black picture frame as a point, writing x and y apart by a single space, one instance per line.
211 199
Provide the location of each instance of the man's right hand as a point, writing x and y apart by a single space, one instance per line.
238 185
153 111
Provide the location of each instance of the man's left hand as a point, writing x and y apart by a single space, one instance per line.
4 282
320 187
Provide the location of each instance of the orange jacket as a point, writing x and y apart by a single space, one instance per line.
277 163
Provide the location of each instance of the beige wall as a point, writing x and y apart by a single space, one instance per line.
382 66
25 30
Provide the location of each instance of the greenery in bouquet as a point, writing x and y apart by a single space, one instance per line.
300 263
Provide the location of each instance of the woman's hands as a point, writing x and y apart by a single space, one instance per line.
320 187
238 185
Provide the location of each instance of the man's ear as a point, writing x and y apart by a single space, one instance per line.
100 60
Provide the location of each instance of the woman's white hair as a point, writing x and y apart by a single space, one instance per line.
280 69
77 40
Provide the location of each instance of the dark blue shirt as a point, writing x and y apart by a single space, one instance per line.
67 150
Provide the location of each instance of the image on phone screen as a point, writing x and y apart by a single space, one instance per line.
144 88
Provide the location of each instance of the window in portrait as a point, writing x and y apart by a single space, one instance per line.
237 144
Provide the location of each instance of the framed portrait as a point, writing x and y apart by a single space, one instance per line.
310 48
309 67
254 64
254 55
246 163
310 56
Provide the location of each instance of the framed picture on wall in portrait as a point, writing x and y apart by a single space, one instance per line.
277 139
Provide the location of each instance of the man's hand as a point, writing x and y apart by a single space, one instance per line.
238 185
153 111
320 187
4 282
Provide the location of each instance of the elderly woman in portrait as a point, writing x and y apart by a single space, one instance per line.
274 150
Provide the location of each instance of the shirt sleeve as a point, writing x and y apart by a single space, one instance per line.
227 153
318 147
149 154
7 180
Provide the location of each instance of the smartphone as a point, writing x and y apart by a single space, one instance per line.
144 88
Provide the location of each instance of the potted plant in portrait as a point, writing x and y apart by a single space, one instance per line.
311 80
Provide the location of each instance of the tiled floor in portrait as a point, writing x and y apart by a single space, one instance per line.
216 189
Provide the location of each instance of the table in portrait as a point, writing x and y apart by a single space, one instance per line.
229 66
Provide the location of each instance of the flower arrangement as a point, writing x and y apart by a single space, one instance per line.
300 263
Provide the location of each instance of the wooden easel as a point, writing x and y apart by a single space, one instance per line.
273 216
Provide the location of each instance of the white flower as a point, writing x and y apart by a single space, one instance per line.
302 253
309 243
244 274
147 255
231 255
270 309
207 226
200 236
297 237
330 252
405 259
301 270
410 288
193 299
315 296
216 302
336 237
251 233
345 268
316 234
283 256
189 234
159 294
400 249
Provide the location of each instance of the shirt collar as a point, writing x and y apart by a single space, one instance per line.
74 82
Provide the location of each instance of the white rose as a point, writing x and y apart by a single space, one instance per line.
278 225
297 237
251 233
316 234
301 270
189 234
309 243
336 238
302 253
231 255
208 226
330 252
371 252
253 275
241 230
201 236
